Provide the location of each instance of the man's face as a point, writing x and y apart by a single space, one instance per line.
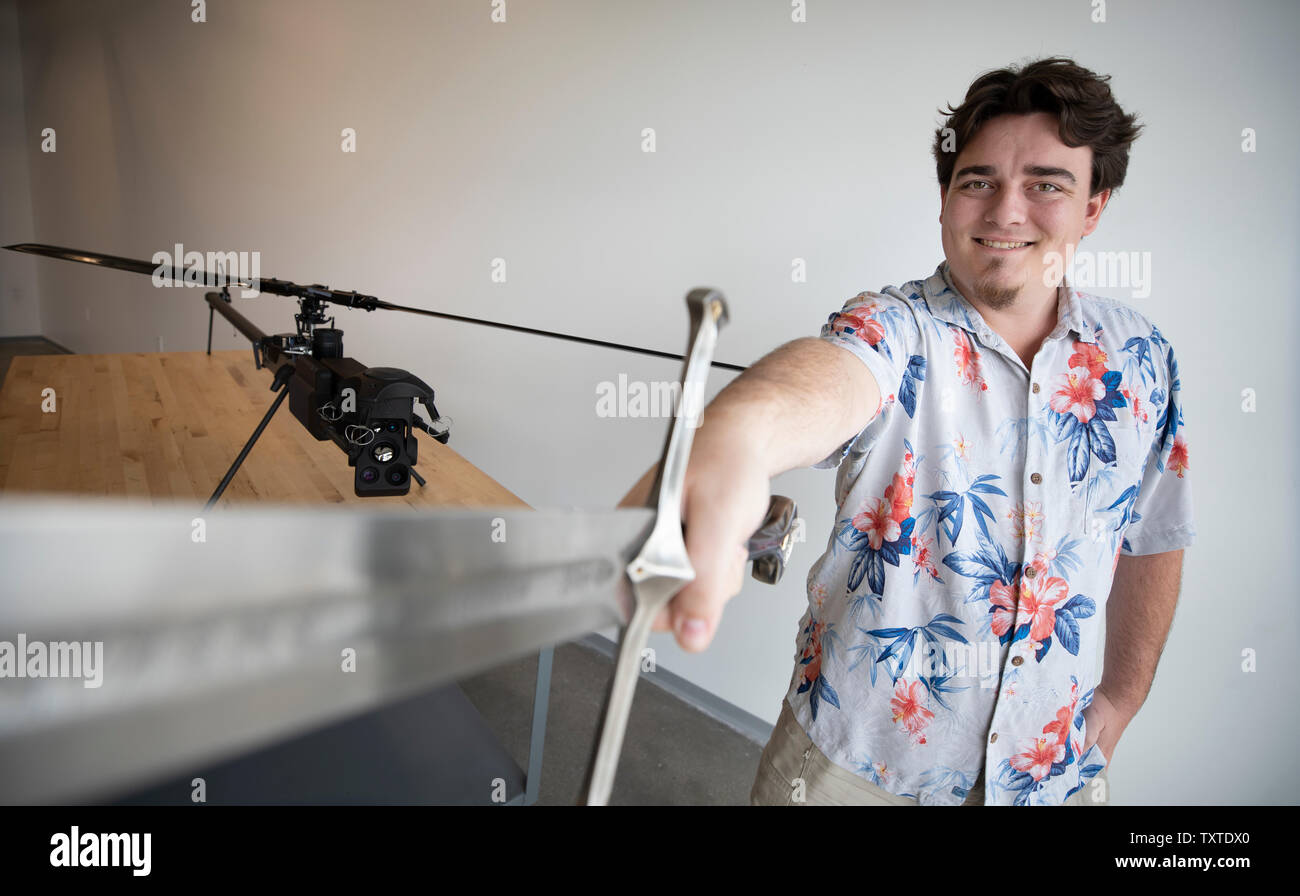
1016 183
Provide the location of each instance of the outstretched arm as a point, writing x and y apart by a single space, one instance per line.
789 410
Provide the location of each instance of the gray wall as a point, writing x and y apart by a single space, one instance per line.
776 141
19 304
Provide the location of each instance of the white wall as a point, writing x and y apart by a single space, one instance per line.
775 141
19 302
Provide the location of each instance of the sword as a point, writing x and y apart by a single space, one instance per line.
154 638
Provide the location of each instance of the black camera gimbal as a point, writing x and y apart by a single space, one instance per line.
369 412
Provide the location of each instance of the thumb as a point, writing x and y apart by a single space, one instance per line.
1093 724
719 575
717 534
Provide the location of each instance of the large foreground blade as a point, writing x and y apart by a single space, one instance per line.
169 640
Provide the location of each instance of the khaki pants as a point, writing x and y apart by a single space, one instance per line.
790 755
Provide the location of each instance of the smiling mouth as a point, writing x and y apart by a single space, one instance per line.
1001 244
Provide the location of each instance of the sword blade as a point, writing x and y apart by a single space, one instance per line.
229 631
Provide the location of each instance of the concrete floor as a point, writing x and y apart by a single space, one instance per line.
673 754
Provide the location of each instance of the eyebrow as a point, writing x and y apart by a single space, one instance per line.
1031 170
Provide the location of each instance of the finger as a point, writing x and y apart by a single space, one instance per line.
719 522
719 576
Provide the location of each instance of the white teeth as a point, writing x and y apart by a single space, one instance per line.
997 245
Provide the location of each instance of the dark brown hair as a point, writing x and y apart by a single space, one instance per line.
1080 99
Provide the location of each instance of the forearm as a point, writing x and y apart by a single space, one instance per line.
789 410
1139 613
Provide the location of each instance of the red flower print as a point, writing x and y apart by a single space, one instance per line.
1060 728
908 705
968 360
1038 599
923 556
1178 456
1038 758
899 496
1139 412
1003 599
1090 356
861 320
876 520
1077 393
813 649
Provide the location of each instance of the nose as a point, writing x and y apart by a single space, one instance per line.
1007 209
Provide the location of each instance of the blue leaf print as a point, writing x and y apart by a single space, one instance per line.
985 566
1076 454
1140 349
1082 607
982 512
938 686
859 568
983 484
1102 444
823 691
875 572
1067 632
914 374
970 565
1126 500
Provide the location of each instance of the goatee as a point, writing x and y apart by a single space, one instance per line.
996 297
990 292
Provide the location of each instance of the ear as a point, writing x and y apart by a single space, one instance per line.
1092 212
943 201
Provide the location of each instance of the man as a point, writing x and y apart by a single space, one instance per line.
1011 464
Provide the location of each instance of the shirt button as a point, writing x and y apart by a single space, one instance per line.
1035 387
1017 660
1036 478
993 738
1030 572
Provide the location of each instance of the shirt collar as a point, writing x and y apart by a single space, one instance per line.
947 304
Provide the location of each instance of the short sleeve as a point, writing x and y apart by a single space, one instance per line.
1162 514
880 330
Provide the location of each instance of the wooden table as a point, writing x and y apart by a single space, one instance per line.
167 427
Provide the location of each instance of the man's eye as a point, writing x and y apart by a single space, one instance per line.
1054 188
972 183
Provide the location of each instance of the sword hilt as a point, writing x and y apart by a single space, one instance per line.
662 567
770 546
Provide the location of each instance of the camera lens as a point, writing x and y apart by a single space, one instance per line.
383 452
393 426
369 474
397 475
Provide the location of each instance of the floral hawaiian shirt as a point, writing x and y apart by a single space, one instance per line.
954 622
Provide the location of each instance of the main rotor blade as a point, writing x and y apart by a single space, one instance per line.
335 296
117 262
225 632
